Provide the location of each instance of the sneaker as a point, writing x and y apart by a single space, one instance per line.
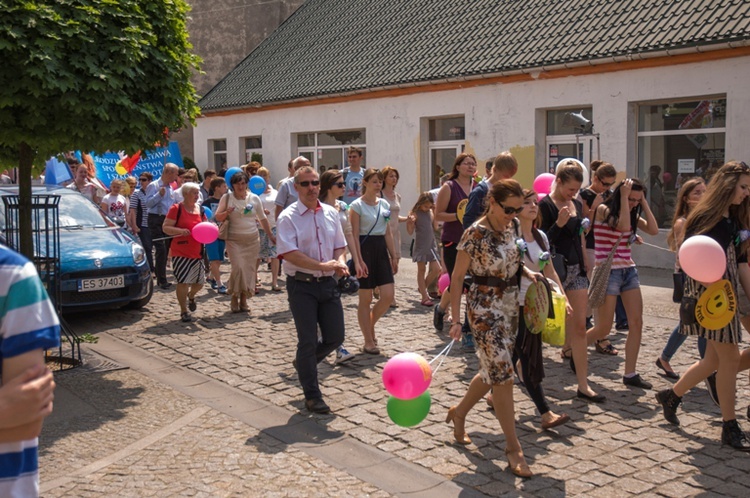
636 381
467 343
222 289
212 282
342 355
711 388
438 318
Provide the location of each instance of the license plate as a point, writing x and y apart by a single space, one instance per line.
102 283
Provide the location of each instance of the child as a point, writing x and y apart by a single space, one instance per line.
215 250
421 223
114 204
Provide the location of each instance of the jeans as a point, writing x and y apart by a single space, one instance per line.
675 341
621 319
145 237
312 304
155 222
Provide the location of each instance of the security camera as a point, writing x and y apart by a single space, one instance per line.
579 121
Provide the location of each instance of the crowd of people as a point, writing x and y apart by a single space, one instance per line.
490 237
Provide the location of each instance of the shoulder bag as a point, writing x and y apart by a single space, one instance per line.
224 225
600 279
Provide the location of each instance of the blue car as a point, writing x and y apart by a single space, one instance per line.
101 265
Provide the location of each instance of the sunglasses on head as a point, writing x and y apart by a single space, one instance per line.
510 210
739 168
307 183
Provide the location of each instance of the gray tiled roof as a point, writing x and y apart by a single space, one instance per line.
330 47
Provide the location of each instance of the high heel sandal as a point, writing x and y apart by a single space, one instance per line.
458 426
521 469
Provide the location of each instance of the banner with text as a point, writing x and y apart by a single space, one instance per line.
113 165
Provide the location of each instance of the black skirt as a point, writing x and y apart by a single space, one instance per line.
375 255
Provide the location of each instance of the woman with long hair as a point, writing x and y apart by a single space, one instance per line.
722 212
452 193
561 218
687 198
615 224
489 252
331 188
376 261
242 208
390 180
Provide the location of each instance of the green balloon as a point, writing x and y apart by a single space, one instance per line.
409 412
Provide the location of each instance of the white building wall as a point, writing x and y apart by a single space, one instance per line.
497 117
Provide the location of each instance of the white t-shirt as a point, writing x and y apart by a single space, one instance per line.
268 199
531 261
116 206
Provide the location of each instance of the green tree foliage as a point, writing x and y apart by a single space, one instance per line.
91 75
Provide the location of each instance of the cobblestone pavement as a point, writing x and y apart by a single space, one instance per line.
620 448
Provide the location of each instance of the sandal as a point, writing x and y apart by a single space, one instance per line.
560 420
427 302
192 306
566 354
608 349
276 288
372 350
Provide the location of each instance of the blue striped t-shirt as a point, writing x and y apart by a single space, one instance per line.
28 321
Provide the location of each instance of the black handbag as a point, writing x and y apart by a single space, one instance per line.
561 266
678 281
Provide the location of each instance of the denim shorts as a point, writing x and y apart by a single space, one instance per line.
621 280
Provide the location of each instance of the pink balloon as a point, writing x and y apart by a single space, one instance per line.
407 375
205 232
543 183
703 259
444 282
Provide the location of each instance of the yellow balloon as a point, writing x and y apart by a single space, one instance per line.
716 306
120 170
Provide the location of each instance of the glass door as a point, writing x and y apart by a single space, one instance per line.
441 162
561 147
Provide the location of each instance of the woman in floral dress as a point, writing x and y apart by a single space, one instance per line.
488 251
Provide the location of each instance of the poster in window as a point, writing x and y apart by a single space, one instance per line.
686 166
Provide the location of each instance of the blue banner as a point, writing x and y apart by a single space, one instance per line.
112 165
56 172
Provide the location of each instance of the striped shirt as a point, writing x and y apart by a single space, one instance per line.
139 199
604 238
27 322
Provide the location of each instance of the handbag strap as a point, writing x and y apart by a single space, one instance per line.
612 251
377 217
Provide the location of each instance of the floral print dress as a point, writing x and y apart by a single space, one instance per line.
493 314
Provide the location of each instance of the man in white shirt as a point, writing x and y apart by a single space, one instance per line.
311 243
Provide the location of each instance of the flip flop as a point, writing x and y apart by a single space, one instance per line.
367 350
427 302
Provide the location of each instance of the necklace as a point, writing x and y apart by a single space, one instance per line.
492 225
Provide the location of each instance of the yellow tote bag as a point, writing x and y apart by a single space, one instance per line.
554 330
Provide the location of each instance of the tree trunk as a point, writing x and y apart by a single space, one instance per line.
25 161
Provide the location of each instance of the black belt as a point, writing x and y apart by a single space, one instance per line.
498 283
301 276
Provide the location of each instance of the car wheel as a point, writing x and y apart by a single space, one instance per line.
140 303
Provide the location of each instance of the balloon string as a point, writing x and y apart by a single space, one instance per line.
656 247
444 353
165 238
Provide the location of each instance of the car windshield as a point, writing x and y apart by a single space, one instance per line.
75 212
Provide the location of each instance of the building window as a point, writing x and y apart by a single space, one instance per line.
253 149
570 134
327 149
447 139
218 157
678 140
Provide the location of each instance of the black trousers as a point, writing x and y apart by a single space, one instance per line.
145 237
528 349
315 304
155 221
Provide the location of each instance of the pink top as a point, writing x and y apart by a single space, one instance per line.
604 238
317 233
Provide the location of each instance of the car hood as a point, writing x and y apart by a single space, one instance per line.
80 249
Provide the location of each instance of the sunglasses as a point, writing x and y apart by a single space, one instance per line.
340 184
143 179
510 210
307 183
607 184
